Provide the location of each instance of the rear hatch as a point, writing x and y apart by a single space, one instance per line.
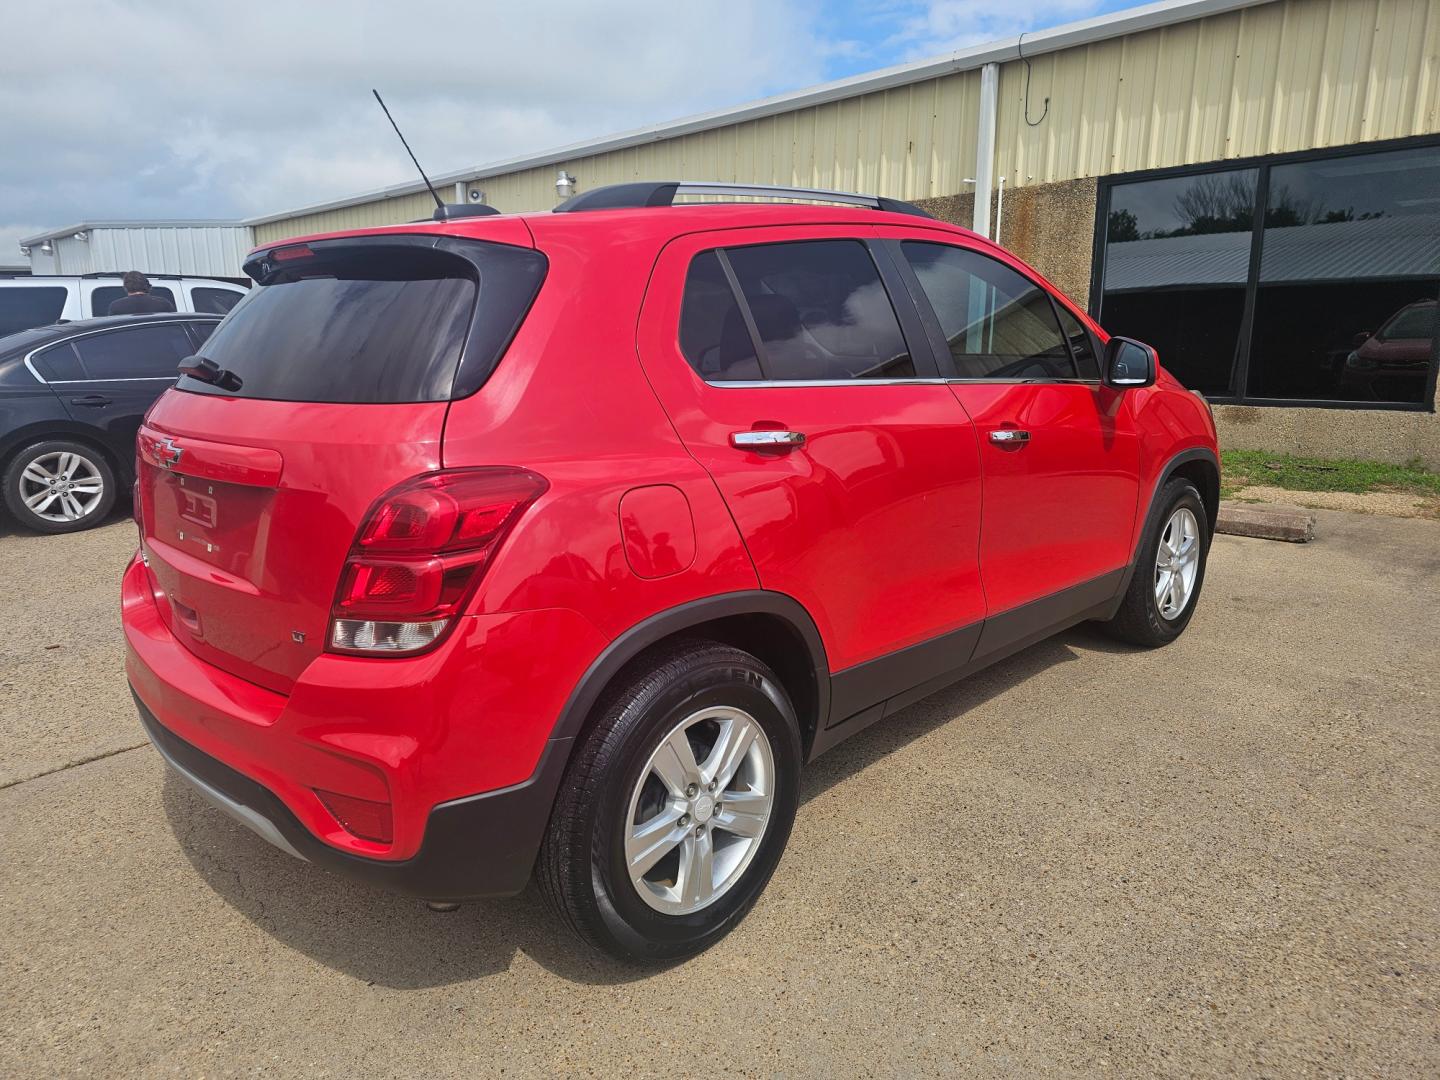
328 385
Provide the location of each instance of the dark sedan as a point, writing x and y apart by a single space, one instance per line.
71 399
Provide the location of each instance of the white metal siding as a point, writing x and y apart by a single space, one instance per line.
204 251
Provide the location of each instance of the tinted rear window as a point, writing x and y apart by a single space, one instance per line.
141 352
215 301
375 323
105 295
23 306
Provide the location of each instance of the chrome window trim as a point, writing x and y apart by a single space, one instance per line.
29 357
1033 382
757 384
135 378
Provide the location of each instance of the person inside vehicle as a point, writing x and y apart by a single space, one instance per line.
138 299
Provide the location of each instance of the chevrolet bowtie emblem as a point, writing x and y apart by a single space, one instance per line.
168 453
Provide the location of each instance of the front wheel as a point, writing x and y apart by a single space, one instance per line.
1169 571
59 486
676 806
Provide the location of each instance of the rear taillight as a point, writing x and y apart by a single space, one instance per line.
419 555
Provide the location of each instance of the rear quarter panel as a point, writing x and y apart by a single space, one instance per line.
570 401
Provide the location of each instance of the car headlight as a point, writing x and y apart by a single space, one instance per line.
1356 362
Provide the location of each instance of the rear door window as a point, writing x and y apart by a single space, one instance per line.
58 364
141 352
820 312
373 323
997 323
713 334
214 301
23 306
105 295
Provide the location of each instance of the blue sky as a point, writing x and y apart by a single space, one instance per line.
266 106
895 31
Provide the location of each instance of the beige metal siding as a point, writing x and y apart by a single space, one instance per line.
917 141
1284 76
1292 75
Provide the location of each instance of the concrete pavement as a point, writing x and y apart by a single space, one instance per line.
1219 858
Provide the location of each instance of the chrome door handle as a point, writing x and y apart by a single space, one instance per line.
1010 437
767 440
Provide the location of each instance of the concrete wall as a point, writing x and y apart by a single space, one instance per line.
1050 226
1367 434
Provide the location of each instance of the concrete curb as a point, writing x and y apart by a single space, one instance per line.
1292 526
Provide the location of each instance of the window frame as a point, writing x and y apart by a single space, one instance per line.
912 330
1240 362
940 345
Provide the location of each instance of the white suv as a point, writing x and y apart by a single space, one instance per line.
43 299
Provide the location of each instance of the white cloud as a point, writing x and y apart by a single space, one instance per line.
168 108
164 108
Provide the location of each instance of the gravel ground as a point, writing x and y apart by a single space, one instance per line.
1216 859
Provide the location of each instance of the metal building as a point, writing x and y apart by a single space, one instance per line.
1253 185
196 248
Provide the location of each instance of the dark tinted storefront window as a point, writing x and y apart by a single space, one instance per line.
1177 257
1342 306
1351 245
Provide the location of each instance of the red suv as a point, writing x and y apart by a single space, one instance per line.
558 543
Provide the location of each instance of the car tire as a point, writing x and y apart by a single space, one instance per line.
59 486
1165 587
629 774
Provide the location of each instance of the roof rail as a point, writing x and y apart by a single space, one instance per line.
663 193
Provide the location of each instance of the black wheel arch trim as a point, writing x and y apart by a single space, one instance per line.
687 616
1152 508
66 430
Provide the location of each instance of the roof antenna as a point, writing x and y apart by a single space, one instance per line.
439 206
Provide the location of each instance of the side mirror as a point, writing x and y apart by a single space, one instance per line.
1129 364
1360 338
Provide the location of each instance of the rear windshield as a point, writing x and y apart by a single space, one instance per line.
357 323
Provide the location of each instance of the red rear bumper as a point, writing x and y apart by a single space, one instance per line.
420 733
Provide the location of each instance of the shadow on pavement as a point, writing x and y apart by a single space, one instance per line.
397 942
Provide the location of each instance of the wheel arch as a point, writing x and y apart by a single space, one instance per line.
61 430
1204 472
1201 467
771 626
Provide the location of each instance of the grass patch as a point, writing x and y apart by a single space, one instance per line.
1242 468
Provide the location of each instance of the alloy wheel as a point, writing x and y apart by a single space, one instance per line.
699 810
1177 563
61 486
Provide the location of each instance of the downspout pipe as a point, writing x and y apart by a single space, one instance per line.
985 147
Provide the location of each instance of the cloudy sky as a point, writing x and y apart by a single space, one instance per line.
168 108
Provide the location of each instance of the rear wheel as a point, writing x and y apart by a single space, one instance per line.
676 806
59 486
1171 569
